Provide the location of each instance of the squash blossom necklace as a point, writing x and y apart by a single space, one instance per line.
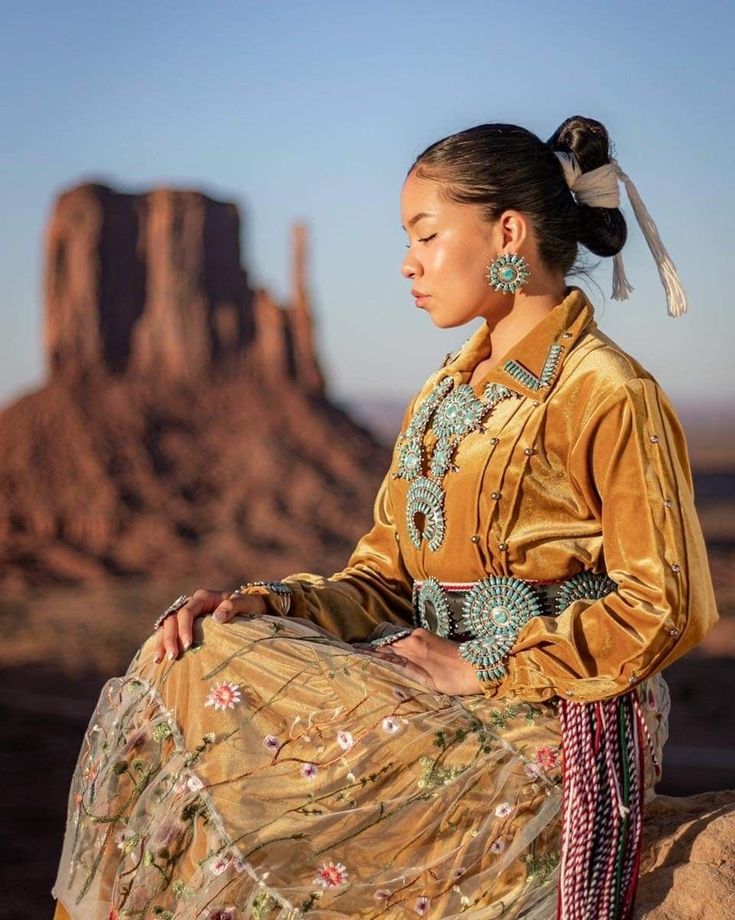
456 412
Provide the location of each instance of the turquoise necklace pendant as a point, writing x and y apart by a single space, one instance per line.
456 411
426 497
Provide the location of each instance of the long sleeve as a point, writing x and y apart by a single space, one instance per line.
630 467
374 586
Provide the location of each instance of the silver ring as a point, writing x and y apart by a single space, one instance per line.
172 608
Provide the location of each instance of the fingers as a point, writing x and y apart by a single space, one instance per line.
417 647
411 654
160 647
392 649
239 605
201 602
421 675
387 655
168 644
225 610
175 633
176 630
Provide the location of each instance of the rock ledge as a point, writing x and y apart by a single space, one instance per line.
688 865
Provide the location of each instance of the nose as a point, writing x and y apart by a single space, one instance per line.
408 269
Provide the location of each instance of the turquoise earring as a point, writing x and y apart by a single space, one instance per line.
508 272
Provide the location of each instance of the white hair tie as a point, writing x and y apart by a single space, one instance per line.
599 188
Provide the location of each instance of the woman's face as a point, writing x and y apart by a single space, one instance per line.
449 249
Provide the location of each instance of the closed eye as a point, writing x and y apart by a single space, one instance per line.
424 239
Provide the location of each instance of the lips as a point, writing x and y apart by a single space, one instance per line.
417 294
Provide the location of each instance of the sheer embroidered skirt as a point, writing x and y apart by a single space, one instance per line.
273 771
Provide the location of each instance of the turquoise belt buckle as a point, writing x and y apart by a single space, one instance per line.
494 609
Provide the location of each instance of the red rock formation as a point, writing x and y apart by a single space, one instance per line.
184 426
197 304
271 335
307 368
149 284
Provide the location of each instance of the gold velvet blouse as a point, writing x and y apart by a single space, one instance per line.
588 471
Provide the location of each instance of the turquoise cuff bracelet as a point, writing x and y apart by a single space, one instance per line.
280 589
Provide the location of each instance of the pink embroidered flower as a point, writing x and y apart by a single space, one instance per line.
382 894
503 810
194 783
241 865
309 770
272 743
547 757
180 785
331 875
391 725
224 696
497 846
345 740
219 864
113 914
421 905
222 913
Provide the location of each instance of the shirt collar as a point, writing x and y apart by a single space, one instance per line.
532 366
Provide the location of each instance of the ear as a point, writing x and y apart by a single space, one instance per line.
514 228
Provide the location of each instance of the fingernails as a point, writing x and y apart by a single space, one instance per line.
219 614
171 656
187 643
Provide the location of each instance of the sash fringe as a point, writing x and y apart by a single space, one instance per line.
602 807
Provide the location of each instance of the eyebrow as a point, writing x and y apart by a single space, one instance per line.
417 217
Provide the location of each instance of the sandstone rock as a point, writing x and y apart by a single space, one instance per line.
184 427
197 303
151 285
272 335
307 367
688 864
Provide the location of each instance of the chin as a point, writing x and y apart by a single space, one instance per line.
447 322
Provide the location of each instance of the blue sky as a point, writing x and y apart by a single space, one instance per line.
315 110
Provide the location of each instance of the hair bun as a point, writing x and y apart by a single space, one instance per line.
601 230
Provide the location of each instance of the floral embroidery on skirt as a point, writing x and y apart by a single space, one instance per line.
274 771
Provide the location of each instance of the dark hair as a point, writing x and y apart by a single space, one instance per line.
499 166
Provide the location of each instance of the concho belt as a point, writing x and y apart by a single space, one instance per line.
485 616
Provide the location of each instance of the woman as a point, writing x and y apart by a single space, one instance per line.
387 742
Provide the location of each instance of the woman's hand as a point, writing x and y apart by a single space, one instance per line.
434 661
175 632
